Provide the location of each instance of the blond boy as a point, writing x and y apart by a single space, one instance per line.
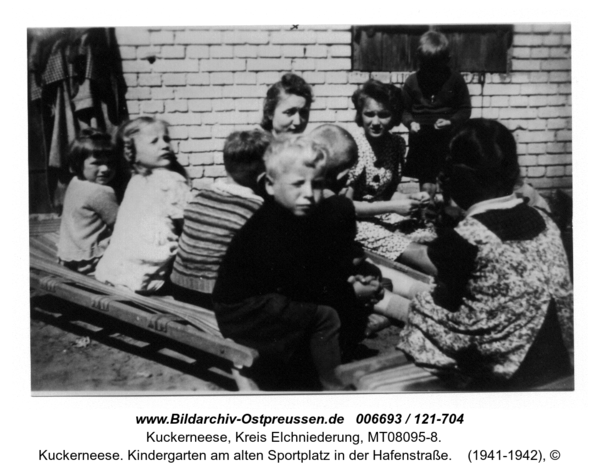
283 285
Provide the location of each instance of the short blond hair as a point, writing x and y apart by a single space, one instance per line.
434 48
342 151
284 151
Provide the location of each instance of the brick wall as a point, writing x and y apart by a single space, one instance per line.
208 82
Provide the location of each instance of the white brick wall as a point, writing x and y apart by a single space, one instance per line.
208 82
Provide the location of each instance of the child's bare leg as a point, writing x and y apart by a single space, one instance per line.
403 284
393 306
415 255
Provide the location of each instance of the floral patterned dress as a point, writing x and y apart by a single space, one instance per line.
482 318
375 178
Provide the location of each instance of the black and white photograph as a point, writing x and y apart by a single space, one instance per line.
301 208
317 234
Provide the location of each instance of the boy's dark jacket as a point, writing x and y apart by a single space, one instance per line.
306 259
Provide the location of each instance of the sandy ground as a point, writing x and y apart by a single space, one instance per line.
71 355
76 350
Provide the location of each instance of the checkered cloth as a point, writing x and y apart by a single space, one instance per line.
60 68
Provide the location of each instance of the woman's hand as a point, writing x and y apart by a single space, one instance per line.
403 206
421 197
406 203
400 203
415 127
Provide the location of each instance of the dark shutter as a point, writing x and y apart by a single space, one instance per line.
474 48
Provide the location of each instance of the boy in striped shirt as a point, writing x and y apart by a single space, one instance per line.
215 215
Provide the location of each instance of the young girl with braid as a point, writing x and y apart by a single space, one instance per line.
150 218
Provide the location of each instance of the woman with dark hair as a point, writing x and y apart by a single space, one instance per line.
287 106
373 181
501 312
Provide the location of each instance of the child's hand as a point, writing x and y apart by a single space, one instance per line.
442 123
363 279
430 188
366 279
415 127
369 293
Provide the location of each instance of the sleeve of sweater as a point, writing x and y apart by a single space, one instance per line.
330 252
340 229
454 258
407 100
103 201
463 101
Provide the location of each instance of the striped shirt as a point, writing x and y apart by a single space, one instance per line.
211 219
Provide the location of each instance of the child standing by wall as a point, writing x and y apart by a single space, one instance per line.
149 222
90 206
436 101
215 215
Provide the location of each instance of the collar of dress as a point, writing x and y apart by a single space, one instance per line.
501 203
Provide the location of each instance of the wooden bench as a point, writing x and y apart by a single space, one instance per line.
197 328
189 325
393 372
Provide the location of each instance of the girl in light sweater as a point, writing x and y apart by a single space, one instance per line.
90 206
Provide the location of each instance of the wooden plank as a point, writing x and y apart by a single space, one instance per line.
158 323
473 48
401 379
45 225
397 52
42 246
350 374
562 384
415 274
196 316
496 58
37 253
410 378
368 55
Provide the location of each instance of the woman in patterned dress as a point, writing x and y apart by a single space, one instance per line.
373 181
501 312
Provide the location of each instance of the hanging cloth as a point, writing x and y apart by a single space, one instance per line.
77 75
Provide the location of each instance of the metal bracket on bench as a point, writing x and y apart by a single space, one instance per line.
101 302
160 323
49 283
